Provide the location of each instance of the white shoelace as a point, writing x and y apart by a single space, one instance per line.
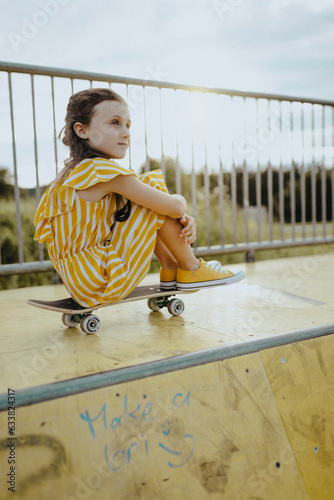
216 266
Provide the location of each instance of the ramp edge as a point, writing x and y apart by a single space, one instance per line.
54 390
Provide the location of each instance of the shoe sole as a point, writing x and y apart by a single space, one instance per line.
168 285
207 284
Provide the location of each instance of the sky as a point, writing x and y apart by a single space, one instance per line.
283 47
273 46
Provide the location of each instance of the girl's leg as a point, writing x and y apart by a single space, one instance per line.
207 273
169 234
164 256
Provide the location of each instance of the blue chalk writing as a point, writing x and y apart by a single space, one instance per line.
178 449
89 420
131 415
169 451
178 401
147 412
114 458
165 433
116 422
136 414
178 453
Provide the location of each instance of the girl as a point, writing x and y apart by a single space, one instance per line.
102 222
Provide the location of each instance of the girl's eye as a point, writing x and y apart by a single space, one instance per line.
114 122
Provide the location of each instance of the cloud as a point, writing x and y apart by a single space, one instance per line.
281 46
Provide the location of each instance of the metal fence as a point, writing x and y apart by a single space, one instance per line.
257 169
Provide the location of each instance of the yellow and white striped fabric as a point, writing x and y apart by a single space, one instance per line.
96 264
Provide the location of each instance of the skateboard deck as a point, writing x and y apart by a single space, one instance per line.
73 313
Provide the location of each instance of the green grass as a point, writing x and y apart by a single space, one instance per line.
9 246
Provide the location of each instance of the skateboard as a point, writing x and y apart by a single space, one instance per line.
74 314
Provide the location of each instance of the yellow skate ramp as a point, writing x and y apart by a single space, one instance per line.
231 405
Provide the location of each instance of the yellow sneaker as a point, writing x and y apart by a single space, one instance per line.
167 279
168 276
208 274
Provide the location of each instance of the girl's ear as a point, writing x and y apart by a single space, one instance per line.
80 130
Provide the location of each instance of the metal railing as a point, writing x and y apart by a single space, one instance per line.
257 169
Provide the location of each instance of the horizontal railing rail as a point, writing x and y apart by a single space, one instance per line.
257 169
103 77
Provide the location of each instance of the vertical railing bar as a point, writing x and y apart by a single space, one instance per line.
313 178
245 183
207 198
258 179
292 181
221 195
323 178
162 162
16 184
38 189
207 193
221 190
127 100
54 123
177 166
234 197
193 184
281 179
193 178
72 86
332 173
302 177
234 187
147 160
270 184
332 176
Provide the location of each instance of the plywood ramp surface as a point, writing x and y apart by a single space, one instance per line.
242 428
277 296
125 415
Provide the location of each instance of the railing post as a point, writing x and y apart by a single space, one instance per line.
250 256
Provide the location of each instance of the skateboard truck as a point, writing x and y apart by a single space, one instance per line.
90 323
74 314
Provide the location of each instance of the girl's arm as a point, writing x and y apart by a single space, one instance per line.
133 189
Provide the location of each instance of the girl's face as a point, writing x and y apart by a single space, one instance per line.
109 129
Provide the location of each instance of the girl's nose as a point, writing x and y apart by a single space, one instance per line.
126 132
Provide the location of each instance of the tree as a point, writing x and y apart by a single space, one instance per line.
6 183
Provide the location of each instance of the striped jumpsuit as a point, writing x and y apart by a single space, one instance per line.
98 258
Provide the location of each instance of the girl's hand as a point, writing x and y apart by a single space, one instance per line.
189 230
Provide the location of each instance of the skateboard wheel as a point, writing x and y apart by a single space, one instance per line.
68 320
175 307
90 324
153 304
